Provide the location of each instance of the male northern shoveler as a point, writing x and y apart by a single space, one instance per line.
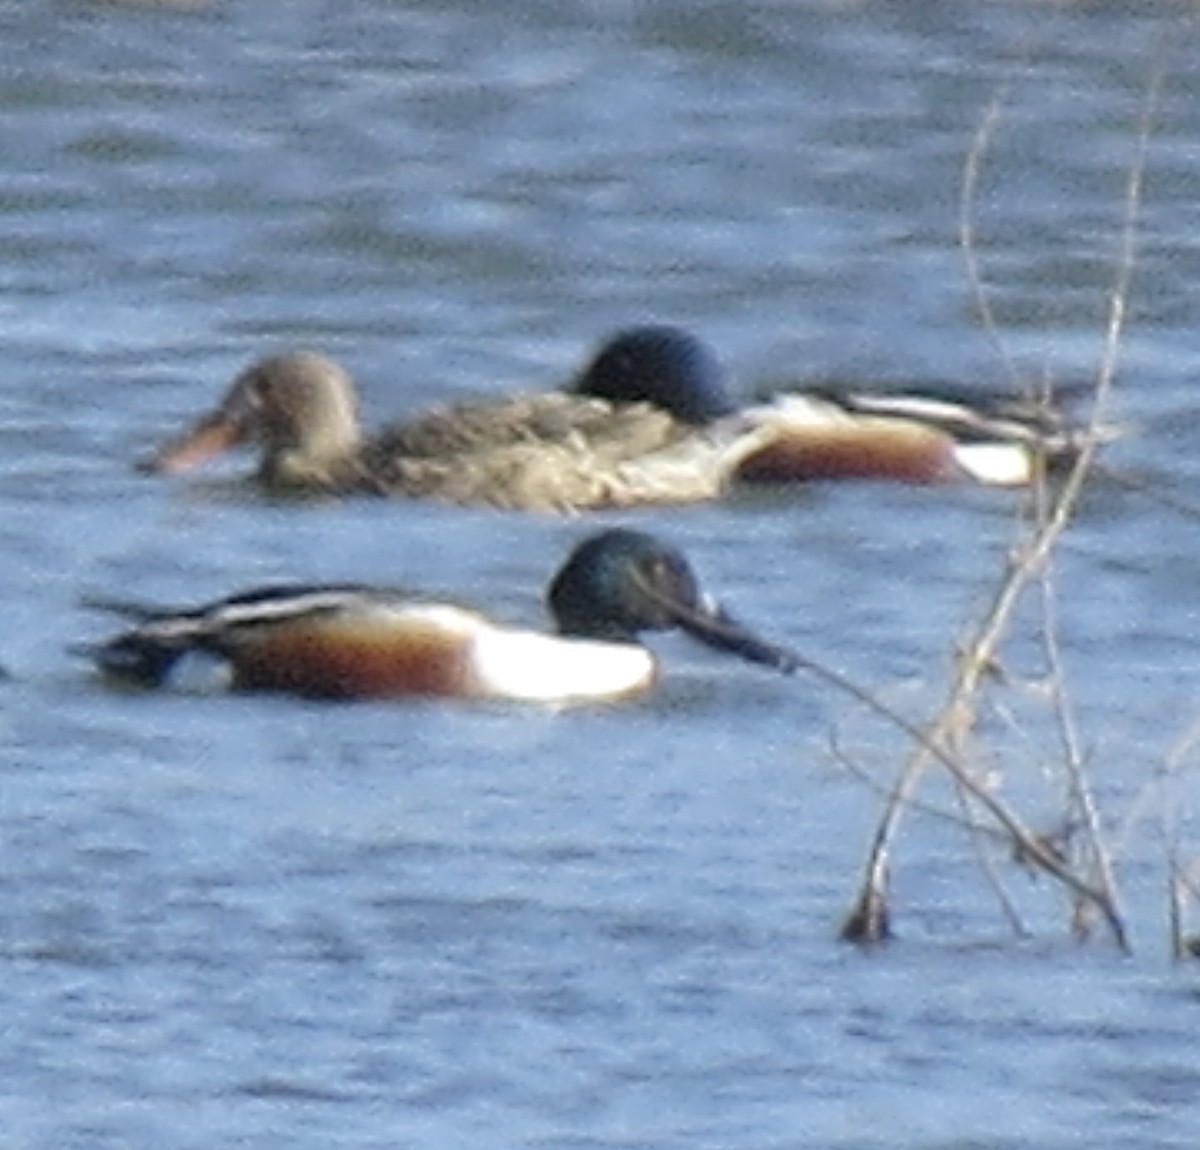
353 642
648 421
939 435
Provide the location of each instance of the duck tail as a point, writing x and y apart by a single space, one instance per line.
135 658
146 654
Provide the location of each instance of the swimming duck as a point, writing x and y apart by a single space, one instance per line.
938 435
658 428
648 421
355 642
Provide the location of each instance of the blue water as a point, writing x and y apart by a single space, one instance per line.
255 922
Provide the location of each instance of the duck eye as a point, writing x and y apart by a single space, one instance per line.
254 398
659 573
669 579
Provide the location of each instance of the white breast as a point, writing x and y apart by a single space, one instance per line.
531 667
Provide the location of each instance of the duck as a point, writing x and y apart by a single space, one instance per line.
940 434
649 420
350 641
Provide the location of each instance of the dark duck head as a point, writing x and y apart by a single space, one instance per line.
620 583
662 365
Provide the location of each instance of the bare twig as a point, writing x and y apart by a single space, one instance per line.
1162 794
868 920
931 744
972 169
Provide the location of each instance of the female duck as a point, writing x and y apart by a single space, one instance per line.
649 421
353 642
662 431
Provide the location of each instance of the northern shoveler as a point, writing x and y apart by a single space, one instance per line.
663 432
354 642
940 435
648 421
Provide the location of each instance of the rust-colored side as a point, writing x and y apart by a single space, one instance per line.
330 659
903 453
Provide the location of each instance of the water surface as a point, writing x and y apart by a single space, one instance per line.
257 922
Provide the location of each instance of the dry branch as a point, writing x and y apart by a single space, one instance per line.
869 918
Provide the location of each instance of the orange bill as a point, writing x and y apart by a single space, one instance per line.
213 435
